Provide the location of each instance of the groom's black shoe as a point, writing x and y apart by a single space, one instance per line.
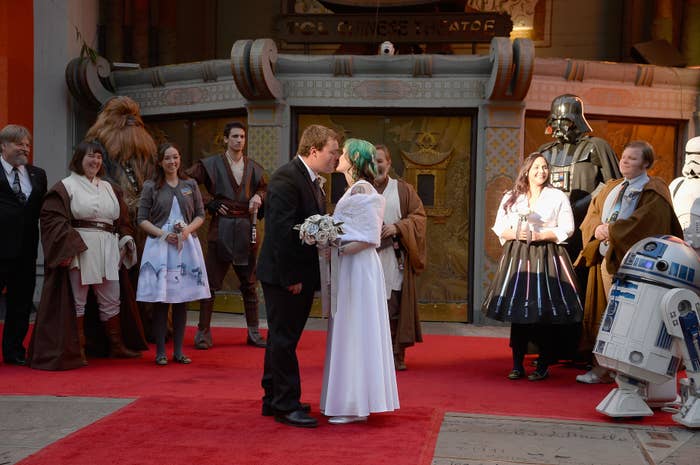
297 418
268 411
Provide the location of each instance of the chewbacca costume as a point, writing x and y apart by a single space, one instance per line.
130 160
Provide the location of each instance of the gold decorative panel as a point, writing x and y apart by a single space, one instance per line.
438 146
502 152
502 161
263 147
429 162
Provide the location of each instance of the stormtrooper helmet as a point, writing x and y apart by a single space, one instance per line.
691 167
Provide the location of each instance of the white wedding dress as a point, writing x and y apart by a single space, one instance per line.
359 376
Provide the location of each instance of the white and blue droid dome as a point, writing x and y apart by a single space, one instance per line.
665 261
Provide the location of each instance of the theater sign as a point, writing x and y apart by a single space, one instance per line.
415 28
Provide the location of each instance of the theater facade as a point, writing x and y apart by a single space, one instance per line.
457 124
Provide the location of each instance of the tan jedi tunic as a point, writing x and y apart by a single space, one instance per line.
653 215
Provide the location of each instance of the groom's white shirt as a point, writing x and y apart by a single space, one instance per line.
311 172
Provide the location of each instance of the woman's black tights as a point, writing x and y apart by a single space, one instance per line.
542 335
519 338
160 326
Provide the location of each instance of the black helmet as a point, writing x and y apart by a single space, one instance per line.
566 120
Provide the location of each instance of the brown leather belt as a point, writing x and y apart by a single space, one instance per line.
110 228
236 214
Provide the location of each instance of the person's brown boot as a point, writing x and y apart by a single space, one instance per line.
81 338
399 360
116 346
202 340
255 338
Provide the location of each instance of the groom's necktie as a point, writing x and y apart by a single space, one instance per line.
17 187
320 195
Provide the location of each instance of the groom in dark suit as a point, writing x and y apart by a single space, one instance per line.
289 271
22 189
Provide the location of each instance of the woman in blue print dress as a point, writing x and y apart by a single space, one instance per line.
172 266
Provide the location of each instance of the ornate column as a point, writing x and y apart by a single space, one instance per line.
268 133
268 115
500 144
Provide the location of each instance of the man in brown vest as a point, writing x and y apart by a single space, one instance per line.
236 190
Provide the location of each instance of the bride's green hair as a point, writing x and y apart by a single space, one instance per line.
362 155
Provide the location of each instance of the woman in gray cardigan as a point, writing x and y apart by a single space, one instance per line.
172 266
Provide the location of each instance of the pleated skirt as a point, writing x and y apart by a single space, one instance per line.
534 283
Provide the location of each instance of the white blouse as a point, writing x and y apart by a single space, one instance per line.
551 212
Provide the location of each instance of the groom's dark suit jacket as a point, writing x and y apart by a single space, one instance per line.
283 261
291 198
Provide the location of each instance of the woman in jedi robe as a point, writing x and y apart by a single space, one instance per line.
87 238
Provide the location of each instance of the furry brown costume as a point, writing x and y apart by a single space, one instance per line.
131 152
130 160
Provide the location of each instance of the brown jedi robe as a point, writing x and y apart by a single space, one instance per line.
653 215
411 226
54 344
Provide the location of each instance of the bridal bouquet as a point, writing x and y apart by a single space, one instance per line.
320 230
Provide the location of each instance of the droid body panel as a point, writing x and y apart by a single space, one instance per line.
681 311
634 339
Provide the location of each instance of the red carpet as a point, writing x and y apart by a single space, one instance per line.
209 412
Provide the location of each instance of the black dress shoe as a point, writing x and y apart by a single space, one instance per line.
19 360
516 374
268 411
255 339
539 374
297 418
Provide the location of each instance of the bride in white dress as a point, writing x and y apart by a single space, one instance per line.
359 376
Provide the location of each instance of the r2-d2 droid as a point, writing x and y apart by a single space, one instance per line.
650 325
